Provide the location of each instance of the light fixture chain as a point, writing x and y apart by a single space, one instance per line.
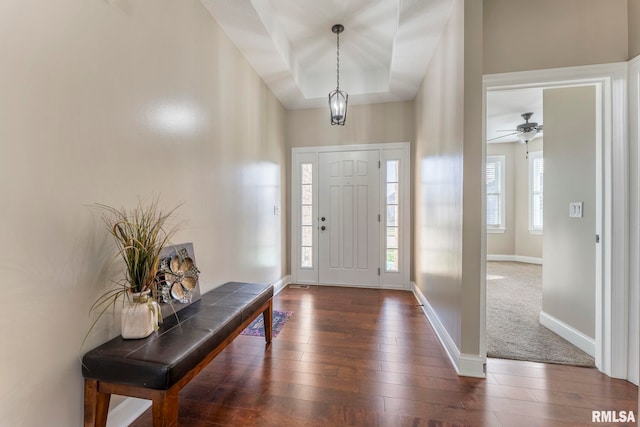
337 98
338 61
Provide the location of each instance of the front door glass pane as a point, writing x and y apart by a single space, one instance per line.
392 216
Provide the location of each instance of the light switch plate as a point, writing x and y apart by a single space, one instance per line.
575 209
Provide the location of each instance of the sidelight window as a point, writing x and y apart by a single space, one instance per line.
392 215
306 220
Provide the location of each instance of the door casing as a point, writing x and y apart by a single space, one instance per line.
388 151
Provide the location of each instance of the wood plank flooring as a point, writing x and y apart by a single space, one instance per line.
363 357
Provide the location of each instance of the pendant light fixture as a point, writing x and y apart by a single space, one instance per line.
337 98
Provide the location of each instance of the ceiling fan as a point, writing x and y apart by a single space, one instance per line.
525 132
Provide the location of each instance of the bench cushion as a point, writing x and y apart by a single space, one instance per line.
162 359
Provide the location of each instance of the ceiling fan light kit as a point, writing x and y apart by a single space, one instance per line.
527 136
337 98
525 132
528 130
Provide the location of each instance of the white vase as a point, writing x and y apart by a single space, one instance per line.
139 316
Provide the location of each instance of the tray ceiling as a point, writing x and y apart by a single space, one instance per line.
384 51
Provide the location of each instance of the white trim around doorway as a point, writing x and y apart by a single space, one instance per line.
612 194
633 362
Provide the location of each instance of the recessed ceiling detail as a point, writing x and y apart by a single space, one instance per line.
384 51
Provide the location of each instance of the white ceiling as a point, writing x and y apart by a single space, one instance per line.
384 49
384 52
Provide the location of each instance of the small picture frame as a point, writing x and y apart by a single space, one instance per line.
178 285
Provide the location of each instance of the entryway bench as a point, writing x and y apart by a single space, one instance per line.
157 367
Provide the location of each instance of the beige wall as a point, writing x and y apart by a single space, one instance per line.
472 225
448 147
366 124
438 178
633 21
568 277
108 101
516 240
523 35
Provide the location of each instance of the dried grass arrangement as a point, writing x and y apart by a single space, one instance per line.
139 234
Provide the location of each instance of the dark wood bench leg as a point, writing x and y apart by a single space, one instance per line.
96 405
267 317
165 408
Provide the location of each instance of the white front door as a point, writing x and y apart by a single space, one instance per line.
348 213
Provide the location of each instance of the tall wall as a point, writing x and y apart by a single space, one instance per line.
448 160
522 35
633 23
108 101
568 277
472 224
516 240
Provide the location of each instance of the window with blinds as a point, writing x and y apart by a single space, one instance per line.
536 187
495 193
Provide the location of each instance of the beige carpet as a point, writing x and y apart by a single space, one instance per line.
514 301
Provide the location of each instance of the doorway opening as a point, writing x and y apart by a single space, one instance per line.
530 314
608 81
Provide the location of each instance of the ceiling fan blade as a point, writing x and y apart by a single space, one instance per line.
539 128
503 136
507 130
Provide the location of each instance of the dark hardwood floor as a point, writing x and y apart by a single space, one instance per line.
365 357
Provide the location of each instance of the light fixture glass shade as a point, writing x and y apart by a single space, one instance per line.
338 107
525 137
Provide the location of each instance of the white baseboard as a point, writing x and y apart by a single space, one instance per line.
472 365
515 258
575 337
127 412
466 365
281 284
